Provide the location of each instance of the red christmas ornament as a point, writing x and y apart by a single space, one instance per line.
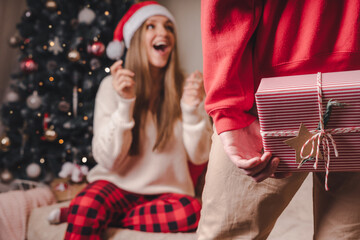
96 49
28 65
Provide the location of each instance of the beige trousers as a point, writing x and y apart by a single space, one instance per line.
236 207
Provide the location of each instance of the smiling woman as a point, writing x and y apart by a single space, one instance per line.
149 124
159 40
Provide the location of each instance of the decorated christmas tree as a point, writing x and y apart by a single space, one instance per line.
47 113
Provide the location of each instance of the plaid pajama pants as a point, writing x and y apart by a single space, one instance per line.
102 204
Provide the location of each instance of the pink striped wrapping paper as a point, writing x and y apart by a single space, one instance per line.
285 102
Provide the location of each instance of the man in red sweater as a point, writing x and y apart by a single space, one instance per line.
244 41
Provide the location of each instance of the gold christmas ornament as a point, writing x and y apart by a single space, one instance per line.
6 176
51 5
50 135
5 143
14 41
74 56
64 106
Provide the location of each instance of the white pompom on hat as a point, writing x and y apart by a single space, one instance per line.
130 22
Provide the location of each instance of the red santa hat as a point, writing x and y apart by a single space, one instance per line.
130 22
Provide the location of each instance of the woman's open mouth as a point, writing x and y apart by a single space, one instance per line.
160 46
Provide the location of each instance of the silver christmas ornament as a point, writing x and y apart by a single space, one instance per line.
33 170
34 101
86 15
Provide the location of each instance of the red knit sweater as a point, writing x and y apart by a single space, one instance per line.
246 40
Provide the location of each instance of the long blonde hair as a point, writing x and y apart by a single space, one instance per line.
167 105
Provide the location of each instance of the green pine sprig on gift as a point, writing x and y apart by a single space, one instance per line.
326 117
329 106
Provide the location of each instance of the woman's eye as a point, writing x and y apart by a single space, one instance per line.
150 26
170 28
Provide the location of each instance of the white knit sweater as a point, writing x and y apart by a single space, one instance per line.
151 172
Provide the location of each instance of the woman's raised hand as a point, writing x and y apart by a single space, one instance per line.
123 81
194 92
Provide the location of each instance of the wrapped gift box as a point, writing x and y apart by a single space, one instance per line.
64 189
285 102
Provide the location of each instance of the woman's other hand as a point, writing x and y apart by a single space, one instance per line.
123 81
194 92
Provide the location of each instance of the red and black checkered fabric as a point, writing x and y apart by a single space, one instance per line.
102 204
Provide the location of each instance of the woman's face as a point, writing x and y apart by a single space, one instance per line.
159 40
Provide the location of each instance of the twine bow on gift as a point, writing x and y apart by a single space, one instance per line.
322 135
